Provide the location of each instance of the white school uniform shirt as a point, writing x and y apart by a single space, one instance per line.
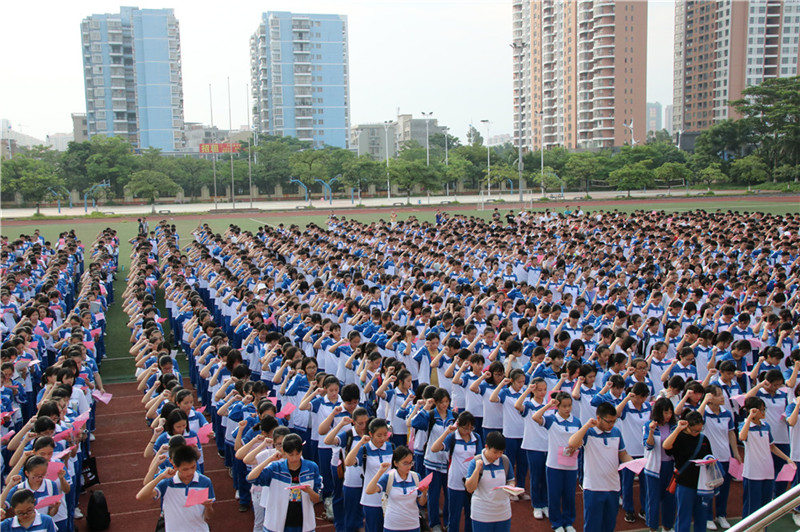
260 495
716 428
794 435
490 505
492 412
631 423
375 457
173 493
275 478
583 408
559 431
462 452
394 400
757 454
602 450
534 436
775 415
513 424
401 509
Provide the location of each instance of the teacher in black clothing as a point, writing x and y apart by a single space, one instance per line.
687 443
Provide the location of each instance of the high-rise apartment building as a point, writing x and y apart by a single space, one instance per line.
653 116
132 77
724 46
300 79
668 118
584 72
80 127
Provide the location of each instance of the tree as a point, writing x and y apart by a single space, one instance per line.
72 166
459 169
751 170
35 179
501 172
658 136
151 184
673 173
474 137
772 111
582 168
712 174
192 174
362 171
407 174
630 176
723 142
548 179
309 165
111 160
786 173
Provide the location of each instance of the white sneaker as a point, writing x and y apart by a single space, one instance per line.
437 528
546 512
328 503
669 530
236 495
795 518
525 497
538 514
570 528
723 523
514 498
711 525
91 437
78 514
559 529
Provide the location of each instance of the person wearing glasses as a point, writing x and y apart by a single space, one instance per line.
403 493
26 517
686 443
604 449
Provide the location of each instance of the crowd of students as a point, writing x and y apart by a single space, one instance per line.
410 375
53 328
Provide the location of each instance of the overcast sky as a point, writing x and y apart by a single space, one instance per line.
450 57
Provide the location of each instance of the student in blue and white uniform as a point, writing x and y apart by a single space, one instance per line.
634 415
604 449
369 453
535 443
486 475
507 393
26 517
403 495
659 466
562 461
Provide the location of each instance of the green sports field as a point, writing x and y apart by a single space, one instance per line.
119 367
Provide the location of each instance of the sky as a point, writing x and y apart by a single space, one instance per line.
448 57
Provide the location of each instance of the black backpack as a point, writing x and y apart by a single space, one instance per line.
97 514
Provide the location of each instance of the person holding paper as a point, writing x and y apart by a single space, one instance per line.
486 477
634 414
562 461
686 443
184 511
26 517
604 450
720 430
771 390
403 491
534 439
759 471
35 470
792 413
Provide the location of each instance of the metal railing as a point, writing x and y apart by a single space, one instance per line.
769 513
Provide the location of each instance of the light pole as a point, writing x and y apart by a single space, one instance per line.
230 126
427 117
541 149
519 47
250 147
213 140
446 161
488 159
386 124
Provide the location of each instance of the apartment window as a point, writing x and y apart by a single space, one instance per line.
94 36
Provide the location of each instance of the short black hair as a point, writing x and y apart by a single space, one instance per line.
496 440
292 443
183 455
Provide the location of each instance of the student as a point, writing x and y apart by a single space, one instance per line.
461 442
659 466
758 474
634 414
400 486
686 443
720 431
562 463
507 393
534 443
294 487
396 402
35 469
172 487
368 454
346 435
775 397
26 517
491 507
604 450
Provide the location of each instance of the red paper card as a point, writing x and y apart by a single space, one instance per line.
96 332
47 321
8 436
53 469
425 482
89 345
63 435
191 441
196 497
49 501
161 320
200 410
287 409
203 433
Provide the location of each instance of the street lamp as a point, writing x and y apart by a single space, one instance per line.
386 124
519 47
488 159
446 161
427 143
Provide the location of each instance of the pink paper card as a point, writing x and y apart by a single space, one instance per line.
96 332
161 320
203 433
287 409
151 261
200 410
61 454
55 308
787 473
102 397
567 460
8 436
191 441
89 345
634 465
425 482
100 316
196 497
40 331
738 399
755 343
735 468
273 400
53 469
47 321
63 435
298 486
44 502
34 345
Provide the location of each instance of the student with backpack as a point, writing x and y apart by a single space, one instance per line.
347 433
402 492
368 454
461 443
486 475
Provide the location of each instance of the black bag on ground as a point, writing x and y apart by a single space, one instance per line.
89 472
97 514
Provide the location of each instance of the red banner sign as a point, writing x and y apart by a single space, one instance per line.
220 148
